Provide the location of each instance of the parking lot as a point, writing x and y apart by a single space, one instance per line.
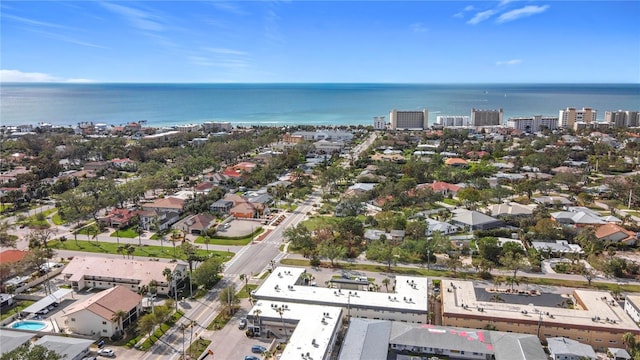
238 228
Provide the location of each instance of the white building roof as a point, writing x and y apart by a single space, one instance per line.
410 293
314 333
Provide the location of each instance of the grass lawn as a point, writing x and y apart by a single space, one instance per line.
198 347
319 222
21 305
222 319
57 219
245 292
125 233
470 276
88 230
145 250
228 241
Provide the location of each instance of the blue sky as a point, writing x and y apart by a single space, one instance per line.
316 41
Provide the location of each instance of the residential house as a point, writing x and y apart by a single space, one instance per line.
439 226
511 209
119 218
558 248
474 220
578 219
161 213
67 347
456 162
222 206
124 164
5 300
98 314
249 209
553 201
96 165
195 224
441 187
393 235
614 233
12 340
104 273
561 348
618 354
236 171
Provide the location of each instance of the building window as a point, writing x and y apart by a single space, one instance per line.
73 319
104 330
104 323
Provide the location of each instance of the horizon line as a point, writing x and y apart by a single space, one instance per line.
310 82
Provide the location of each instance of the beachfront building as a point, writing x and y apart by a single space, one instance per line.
568 118
534 123
408 302
99 314
379 123
409 120
622 118
486 117
632 307
216 126
453 120
595 319
103 273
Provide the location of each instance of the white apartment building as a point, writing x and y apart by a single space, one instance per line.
188 128
486 117
453 120
379 123
622 118
568 118
534 123
408 303
409 120
214 126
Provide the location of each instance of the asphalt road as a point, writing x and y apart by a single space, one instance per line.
250 260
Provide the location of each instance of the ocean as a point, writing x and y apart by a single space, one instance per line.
293 104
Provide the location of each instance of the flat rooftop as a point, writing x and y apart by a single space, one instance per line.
141 271
315 329
410 293
593 308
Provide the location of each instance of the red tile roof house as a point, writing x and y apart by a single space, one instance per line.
441 187
456 162
244 209
119 218
239 169
97 314
12 256
615 234
124 164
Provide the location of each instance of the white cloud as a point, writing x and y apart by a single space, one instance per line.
20 76
468 8
509 62
225 51
419 28
136 17
481 16
521 13
32 21
229 7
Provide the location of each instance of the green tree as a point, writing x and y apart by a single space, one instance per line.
300 238
26 352
208 273
385 251
332 251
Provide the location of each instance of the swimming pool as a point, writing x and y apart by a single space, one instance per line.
29 325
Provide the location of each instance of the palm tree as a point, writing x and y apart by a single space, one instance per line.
386 282
130 250
245 278
120 250
629 340
256 313
171 276
118 317
280 311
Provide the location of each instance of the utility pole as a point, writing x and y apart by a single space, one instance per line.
630 192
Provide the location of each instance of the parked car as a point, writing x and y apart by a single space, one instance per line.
242 324
258 349
106 352
250 357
